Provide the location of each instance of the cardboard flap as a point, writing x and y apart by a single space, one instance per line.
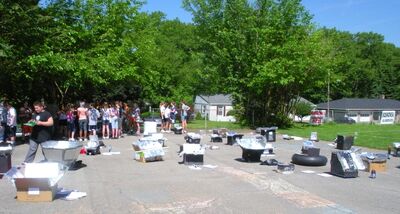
23 184
42 170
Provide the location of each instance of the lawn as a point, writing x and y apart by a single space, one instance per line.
207 125
366 135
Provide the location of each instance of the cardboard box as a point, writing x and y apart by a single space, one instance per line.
377 166
35 189
36 182
139 156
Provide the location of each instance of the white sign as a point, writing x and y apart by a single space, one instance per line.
388 117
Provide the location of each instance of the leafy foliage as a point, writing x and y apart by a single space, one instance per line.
302 109
263 52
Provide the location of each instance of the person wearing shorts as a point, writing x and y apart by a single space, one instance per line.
93 115
184 115
11 127
105 112
83 121
114 121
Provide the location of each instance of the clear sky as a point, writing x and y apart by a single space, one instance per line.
378 16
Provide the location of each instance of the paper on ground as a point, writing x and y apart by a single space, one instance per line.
75 195
297 138
111 153
268 155
210 166
325 175
308 171
195 167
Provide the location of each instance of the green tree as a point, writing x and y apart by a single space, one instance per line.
22 30
302 109
262 52
91 44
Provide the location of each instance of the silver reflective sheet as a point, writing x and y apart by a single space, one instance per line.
65 152
256 142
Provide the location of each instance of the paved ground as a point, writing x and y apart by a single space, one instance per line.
119 184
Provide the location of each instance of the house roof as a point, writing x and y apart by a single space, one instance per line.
300 99
218 99
361 104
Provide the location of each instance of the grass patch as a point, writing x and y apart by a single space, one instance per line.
366 135
201 124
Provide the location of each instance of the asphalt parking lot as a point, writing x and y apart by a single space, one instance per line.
119 184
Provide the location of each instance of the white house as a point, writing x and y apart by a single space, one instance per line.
359 110
215 107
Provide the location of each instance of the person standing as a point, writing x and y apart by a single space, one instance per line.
83 121
114 121
71 117
62 122
105 112
136 115
93 115
167 114
162 115
41 132
11 127
184 115
3 121
172 115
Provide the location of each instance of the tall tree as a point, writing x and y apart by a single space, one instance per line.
22 30
262 52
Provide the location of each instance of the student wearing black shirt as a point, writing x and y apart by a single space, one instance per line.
41 132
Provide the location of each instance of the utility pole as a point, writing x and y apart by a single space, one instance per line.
328 95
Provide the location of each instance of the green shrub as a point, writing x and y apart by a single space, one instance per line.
198 116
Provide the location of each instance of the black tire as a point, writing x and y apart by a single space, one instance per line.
306 160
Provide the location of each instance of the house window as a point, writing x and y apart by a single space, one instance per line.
203 109
377 115
220 110
352 114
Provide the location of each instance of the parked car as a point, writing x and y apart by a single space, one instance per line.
347 120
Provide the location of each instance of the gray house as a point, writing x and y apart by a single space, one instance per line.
358 110
215 107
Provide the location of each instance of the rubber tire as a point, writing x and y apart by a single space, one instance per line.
306 160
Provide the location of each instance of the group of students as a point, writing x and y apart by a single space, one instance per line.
85 118
168 113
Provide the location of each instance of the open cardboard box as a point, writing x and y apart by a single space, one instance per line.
36 182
